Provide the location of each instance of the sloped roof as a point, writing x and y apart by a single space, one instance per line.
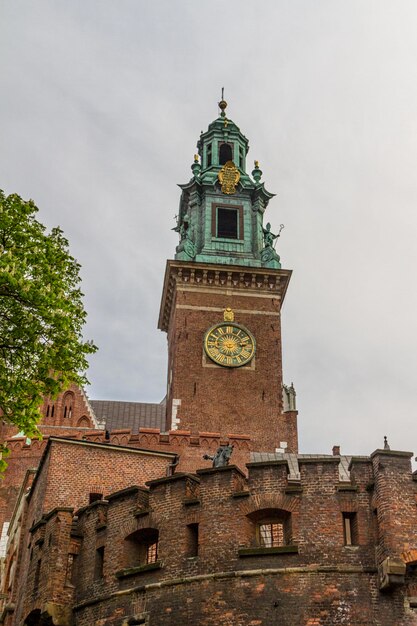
132 415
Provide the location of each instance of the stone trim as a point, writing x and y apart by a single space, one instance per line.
131 571
263 551
344 568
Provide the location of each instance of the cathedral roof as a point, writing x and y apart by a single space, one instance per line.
133 415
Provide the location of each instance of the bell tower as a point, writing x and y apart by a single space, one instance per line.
222 299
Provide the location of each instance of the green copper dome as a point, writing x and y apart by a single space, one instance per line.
221 209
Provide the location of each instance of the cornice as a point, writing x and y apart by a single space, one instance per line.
215 276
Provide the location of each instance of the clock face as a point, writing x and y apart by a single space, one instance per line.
229 344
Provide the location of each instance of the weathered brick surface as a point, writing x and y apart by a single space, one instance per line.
323 583
243 400
69 472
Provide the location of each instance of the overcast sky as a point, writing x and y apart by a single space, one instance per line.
101 105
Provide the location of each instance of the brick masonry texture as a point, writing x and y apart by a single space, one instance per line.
323 582
229 399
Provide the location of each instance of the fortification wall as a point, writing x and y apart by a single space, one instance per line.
313 578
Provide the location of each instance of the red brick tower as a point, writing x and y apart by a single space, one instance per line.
222 300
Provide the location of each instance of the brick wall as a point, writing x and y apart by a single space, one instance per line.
244 400
69 472
317 580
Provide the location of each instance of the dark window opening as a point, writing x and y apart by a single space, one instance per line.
192 540
227 223
73 578
350 529
141 547
225 153
99 563
375 525
52 410
209 155
65 412
47 411
94 497
37 574
241 158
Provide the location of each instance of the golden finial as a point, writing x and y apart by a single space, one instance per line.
256 163
196 158
222 104
228 315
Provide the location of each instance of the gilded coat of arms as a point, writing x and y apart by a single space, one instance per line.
229 177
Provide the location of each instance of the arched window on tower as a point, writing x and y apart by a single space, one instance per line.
141 547
272 528
68 405
225 153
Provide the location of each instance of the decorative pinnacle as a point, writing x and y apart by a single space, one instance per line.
222 104
257 173
196 167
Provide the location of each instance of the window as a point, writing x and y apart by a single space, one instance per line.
227 223
99 563
271 534
94 497
375 525
192 540
225 153
68 403
151 552
241 158
37 575
209 155
141 547
273 528
350 529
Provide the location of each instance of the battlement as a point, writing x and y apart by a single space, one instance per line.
318 535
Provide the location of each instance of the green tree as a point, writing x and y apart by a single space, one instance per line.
42 349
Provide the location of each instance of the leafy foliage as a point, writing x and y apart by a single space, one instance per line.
41 315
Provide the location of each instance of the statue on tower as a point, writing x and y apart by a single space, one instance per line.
269 256
186 244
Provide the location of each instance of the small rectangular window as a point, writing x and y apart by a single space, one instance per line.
37 575
99 563
209 155
271 535
93 497
192 540
241 158
350 529
152 553
227 223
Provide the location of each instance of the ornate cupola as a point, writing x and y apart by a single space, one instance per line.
221 210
